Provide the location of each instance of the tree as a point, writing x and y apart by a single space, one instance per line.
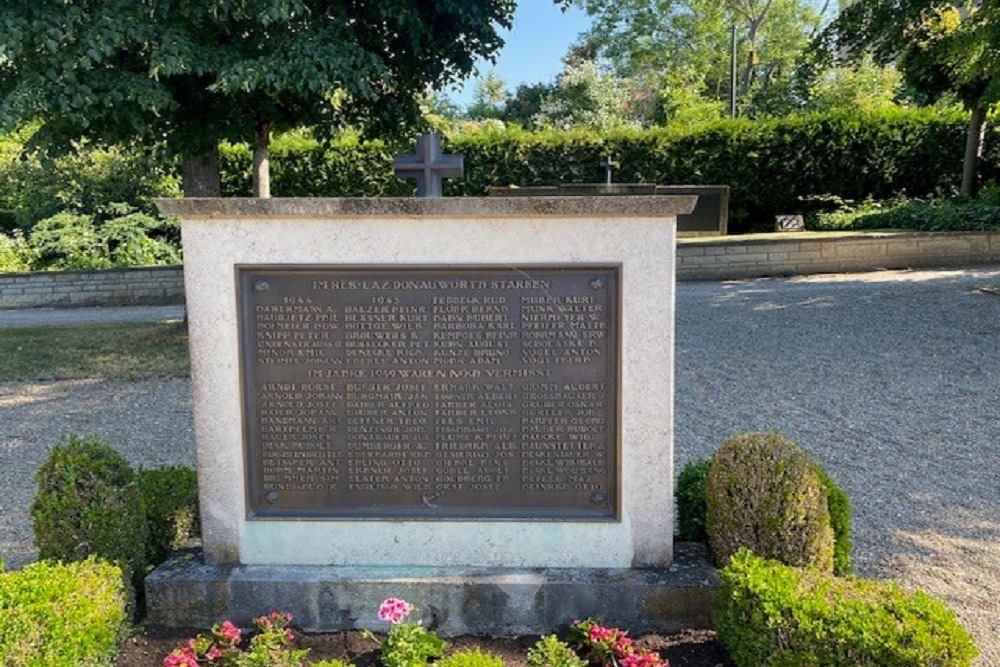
684 44
941 48
489 99
196 72
585 95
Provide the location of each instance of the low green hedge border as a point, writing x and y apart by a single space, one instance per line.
61 615
772 615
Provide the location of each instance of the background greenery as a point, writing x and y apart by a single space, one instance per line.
93 208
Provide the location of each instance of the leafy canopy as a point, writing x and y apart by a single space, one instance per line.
194 72
939 47
685 44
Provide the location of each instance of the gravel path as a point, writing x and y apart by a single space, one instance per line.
889 379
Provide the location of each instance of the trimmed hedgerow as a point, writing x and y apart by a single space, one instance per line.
61 615
772 166
88 504
170 500
772 615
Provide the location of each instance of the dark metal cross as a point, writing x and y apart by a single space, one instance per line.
428 166
608 164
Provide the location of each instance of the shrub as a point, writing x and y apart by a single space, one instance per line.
15 253
691 509
474 657
764 493
56 615
690 498
88 503
86 181
550 651
948 215
609 647
840 521
69 241
407 644
772 615
221 646
170 500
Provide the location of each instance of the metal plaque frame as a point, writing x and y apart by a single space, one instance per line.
431 392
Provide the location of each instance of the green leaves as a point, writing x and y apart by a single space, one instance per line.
61 615
203 71
771 614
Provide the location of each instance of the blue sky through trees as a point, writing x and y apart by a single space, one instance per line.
533 53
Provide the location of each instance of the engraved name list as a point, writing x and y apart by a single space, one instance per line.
431 392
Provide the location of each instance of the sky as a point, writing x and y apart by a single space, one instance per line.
534 48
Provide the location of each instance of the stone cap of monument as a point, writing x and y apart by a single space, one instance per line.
299 207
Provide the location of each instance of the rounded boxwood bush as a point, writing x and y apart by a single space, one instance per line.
764 493
690 498
88 504
840 521
170 500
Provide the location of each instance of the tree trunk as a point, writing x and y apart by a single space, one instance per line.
200 174
261 166
973 149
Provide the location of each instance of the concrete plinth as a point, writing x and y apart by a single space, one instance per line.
452 601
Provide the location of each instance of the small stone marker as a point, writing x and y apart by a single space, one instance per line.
789 223
428 167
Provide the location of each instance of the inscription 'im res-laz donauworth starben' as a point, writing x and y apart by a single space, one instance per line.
431 392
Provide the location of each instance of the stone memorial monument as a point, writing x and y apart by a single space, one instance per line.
463 402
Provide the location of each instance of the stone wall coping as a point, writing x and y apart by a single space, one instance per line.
87 273
827 237
641 206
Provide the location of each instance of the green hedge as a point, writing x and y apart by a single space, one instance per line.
55 615
772 615
771 165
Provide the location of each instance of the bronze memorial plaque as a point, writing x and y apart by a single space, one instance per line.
431 392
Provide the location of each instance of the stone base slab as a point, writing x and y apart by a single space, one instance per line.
185 592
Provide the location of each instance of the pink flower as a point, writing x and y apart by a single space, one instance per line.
394 610
623 645
230 632
599 634
179 659
213 653
643 659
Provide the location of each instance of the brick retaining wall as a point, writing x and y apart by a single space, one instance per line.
759 256
720 258
161 285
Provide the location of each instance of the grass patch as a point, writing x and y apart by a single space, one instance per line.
123 349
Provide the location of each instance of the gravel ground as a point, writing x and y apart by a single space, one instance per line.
889 379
